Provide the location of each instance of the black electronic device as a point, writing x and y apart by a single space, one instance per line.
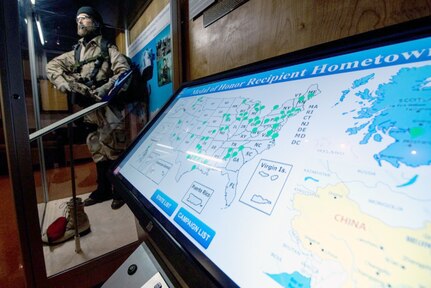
308 169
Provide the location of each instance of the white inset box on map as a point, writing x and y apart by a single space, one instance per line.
265 185
197 196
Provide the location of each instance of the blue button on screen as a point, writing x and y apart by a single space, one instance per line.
195 227
164 202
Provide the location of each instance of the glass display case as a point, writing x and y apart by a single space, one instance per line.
47 170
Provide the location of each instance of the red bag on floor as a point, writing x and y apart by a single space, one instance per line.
56 229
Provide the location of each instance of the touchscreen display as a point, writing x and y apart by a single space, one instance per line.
309 175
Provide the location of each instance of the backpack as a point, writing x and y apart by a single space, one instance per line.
136 88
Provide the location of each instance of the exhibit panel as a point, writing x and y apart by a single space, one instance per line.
308 169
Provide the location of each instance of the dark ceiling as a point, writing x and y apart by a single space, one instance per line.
57 18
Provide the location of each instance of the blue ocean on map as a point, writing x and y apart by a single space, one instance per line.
294 280
410 182
398 109
309 178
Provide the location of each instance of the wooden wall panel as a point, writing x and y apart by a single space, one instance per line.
155 7
261 29
120 41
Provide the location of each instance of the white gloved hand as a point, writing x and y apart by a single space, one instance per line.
64 87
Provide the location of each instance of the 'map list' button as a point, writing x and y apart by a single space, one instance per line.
195 227
164 201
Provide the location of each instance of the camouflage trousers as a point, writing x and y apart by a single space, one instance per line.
111 137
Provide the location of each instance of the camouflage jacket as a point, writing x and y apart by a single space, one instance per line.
61 69
111 138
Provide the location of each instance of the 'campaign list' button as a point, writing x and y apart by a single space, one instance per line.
195 227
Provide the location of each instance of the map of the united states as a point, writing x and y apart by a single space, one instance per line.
222 134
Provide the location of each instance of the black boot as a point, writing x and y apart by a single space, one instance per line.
117 201
104 188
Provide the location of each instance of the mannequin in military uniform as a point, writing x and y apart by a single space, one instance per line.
88 85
